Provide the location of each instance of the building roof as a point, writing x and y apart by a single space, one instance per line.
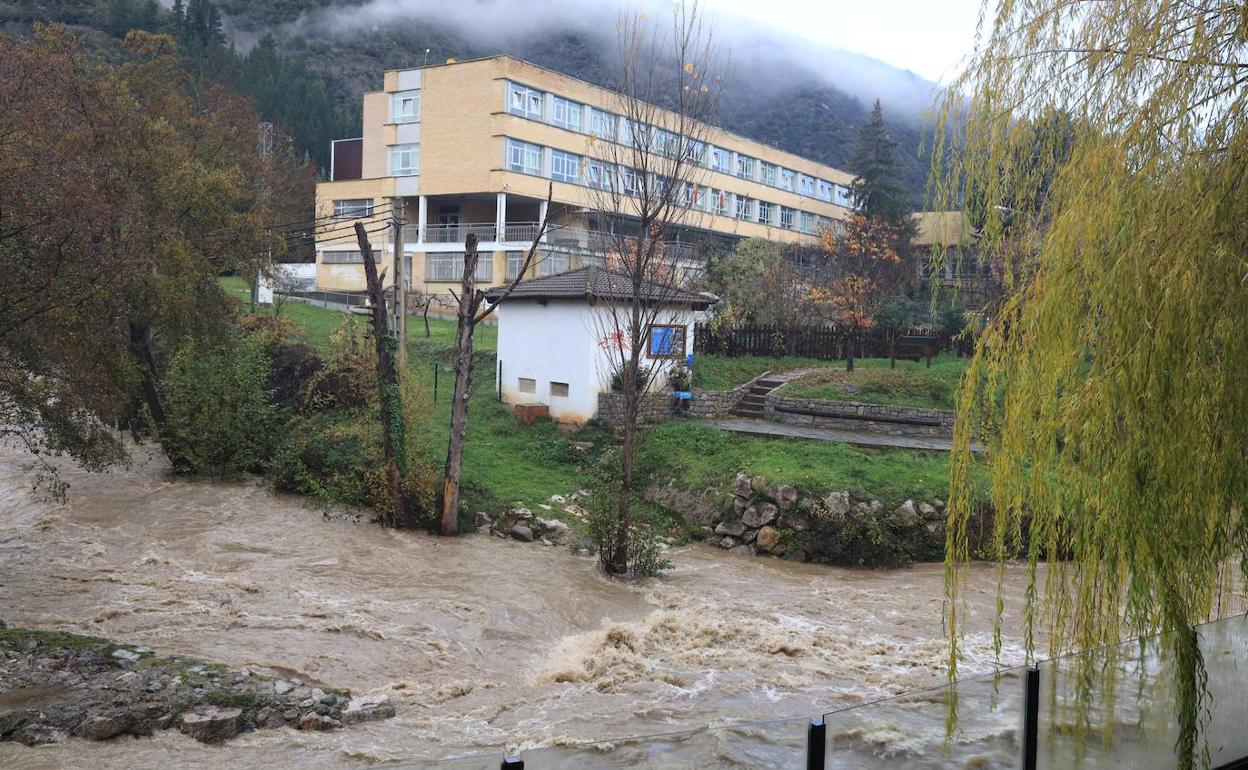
598 283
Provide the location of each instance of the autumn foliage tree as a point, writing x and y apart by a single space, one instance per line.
860 268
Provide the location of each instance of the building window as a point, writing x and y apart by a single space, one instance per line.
524 101
602 125
630 181
745 167
695 152
565 167
353 208
786 218
808 222
842 196
555 262
448 266
558 389
807 185
404 159
743 207
665 341
764 212
768 171
567 114
666 143
527 385
405 107
524 157
600 175
721 159
342 257
719 202
788 179
825 191
515 260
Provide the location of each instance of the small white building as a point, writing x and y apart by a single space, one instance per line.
559 339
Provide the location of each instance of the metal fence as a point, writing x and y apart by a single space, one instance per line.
1024 717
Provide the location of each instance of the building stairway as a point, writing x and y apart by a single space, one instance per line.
752 403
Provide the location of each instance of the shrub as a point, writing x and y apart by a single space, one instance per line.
645 555
642 379
220 416
349 378
336 456
295 367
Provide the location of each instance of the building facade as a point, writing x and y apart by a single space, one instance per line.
471 147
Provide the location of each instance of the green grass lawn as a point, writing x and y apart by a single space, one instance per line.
712 372
316 324
696 456
909 384
505 461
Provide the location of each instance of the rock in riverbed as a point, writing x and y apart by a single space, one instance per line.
57 684
214 725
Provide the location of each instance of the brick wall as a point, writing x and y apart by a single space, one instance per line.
856 415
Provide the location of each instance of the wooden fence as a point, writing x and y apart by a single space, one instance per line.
822 342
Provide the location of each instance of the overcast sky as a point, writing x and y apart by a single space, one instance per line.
929 37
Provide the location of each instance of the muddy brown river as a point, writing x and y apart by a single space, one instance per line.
483 644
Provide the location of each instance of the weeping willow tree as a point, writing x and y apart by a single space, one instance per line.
1101 147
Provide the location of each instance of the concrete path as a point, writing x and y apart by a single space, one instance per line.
857 438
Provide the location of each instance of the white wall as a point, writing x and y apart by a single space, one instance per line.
560 342
292 276
546 343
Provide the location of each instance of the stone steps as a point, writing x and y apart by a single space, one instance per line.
754 402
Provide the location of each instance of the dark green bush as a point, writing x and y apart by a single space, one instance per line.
220 415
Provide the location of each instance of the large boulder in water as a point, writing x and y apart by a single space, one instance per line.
214 725
368 708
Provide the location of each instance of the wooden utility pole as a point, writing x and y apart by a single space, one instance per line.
400 283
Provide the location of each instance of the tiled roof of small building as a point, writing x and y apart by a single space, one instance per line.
598 283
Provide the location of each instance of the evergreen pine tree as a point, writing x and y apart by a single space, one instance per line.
876 192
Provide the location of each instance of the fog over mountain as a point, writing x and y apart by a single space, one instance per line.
758 60
780 89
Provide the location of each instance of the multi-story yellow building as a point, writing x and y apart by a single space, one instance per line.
472 146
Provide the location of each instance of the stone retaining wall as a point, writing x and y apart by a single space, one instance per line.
660 407
875 418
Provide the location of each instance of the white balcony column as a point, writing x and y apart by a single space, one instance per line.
422 218
541 217
500 218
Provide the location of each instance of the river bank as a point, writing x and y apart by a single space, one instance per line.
55 684
482 643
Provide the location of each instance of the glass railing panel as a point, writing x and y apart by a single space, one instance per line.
910 730
1092 722
779 744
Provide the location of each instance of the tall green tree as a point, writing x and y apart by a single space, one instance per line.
876 192
1110 386
127 193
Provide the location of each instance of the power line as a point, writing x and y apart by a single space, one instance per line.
311 222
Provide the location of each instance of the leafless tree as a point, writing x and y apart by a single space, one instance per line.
645 185
472 308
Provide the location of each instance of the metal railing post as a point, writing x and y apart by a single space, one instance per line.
1031 719
816 744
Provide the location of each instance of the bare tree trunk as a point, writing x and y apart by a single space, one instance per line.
390 408
465 323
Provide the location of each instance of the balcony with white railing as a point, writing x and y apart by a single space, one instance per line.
518 235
